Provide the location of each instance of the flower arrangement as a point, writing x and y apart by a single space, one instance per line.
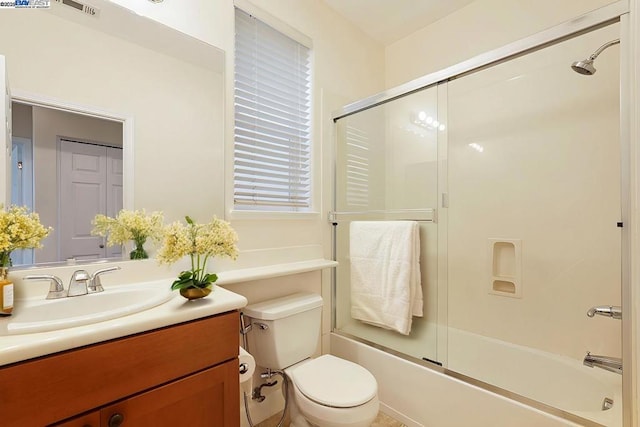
201 242
19 229
130 225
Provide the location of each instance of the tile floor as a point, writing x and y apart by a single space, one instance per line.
382 420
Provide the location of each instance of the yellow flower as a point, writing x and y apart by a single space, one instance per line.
200 242
19 229
129 225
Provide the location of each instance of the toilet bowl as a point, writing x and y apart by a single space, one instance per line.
331 392
326 391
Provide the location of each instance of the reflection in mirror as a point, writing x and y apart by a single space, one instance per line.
74 159
143 87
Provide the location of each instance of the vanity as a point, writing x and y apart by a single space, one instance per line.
173 364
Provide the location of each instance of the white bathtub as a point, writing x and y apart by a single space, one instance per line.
558 381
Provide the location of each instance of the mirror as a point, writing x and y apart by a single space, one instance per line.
160 89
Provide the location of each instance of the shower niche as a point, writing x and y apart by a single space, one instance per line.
506 267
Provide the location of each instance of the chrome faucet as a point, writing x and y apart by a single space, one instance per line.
79 283
56 288
606 310
95 285
611 364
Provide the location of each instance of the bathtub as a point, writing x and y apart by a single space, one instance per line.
557 381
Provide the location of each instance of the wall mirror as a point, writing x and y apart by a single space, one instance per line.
120 89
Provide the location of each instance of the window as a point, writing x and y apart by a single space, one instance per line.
272 101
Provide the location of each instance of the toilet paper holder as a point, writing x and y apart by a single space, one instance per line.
244 368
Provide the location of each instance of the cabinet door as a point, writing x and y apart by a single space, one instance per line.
206 399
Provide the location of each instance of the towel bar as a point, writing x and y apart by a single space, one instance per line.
423 215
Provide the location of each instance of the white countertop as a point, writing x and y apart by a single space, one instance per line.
15 348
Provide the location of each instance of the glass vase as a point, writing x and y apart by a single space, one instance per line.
139 252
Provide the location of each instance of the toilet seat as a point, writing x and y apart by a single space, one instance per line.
334 382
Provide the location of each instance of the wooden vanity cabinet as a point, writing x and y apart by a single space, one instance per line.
183 375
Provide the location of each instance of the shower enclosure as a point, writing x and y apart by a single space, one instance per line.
512 169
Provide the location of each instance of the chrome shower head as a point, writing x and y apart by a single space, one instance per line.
586 66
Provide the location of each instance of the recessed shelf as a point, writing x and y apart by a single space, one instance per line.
505 264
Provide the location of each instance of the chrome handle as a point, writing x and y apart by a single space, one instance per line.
56 287
606 310
95 284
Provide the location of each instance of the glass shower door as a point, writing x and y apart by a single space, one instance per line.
387 170
533 236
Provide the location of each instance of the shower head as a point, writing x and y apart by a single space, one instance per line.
586 66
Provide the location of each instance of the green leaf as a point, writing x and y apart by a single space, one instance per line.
210 278
189 220
185 275
181 284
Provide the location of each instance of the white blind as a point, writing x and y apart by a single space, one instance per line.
272 104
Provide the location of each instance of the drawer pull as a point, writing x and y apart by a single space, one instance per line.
116 420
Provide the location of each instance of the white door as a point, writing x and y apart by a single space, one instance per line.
114 190
5 135
85 185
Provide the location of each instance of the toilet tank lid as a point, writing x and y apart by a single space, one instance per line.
282 307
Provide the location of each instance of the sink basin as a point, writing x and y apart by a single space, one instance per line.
40 315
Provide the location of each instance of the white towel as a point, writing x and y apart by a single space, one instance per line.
386 288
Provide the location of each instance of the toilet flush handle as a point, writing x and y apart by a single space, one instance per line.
262 326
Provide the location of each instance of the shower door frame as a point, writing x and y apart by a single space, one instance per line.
618 12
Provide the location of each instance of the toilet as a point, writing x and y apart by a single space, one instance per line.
326 391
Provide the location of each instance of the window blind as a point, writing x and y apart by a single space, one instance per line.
357 167
272 102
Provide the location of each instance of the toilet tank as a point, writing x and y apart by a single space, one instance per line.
285 330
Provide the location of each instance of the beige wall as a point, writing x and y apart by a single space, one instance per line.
479 27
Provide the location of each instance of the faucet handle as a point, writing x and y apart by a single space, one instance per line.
78 283
606 310
95 284
56 288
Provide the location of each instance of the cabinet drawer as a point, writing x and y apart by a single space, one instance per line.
52 388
